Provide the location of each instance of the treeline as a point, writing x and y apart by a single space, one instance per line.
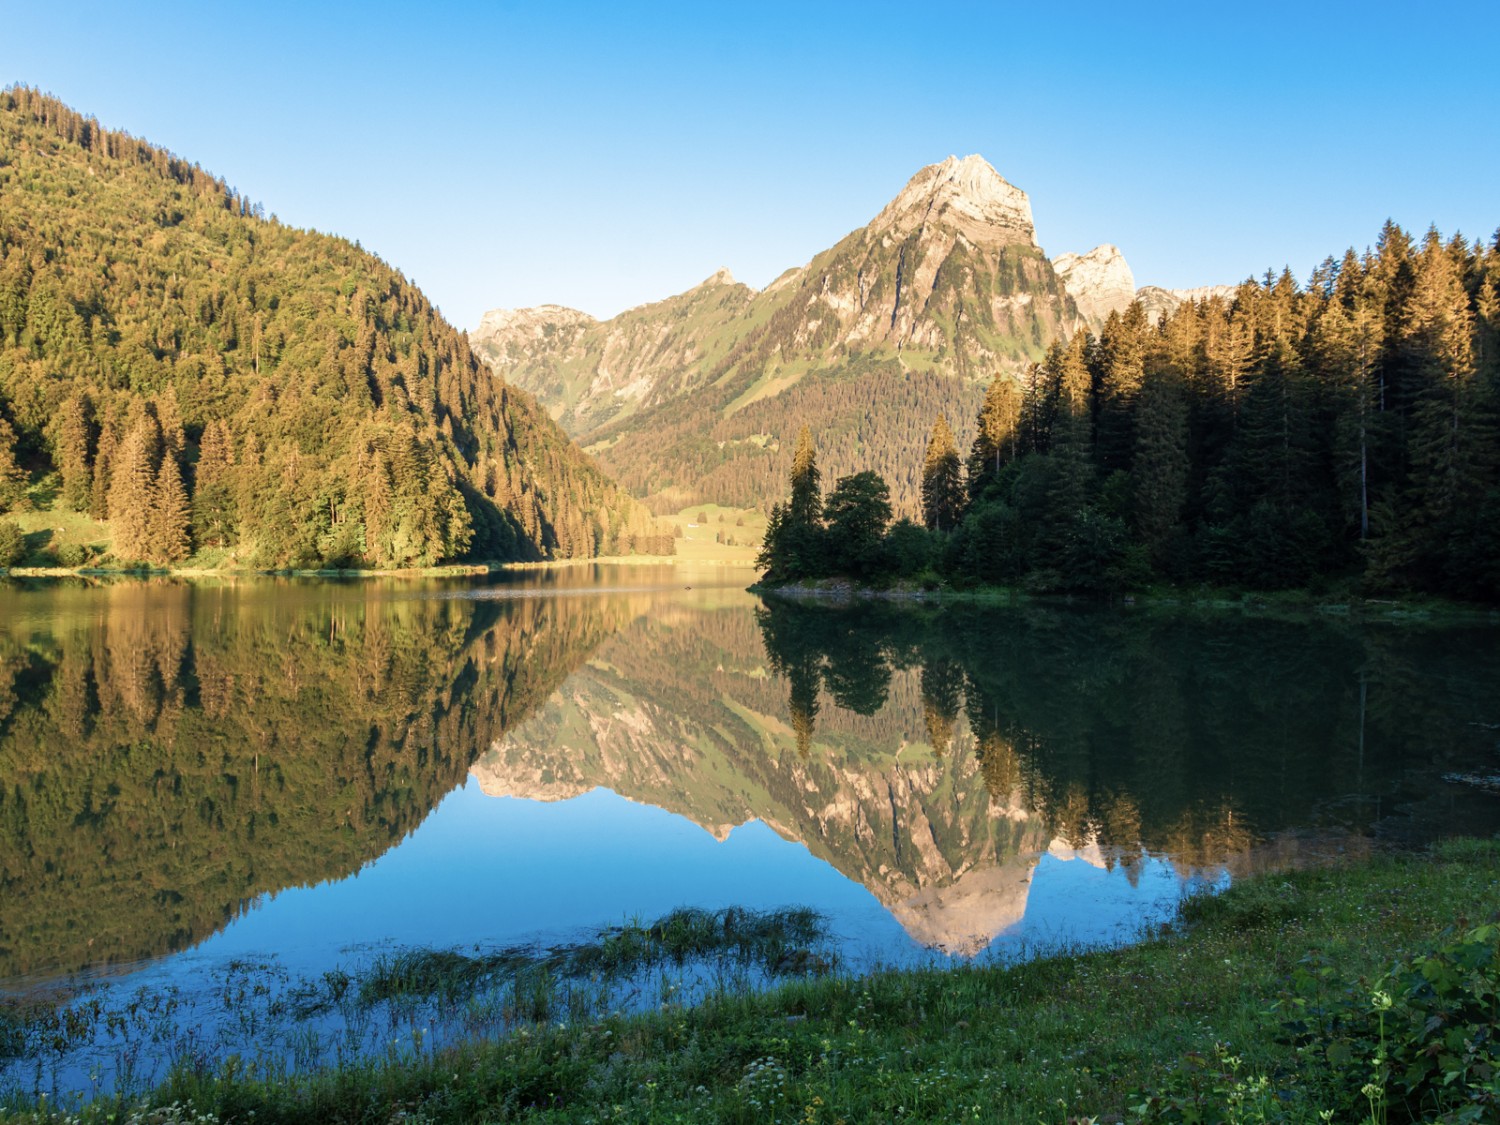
1343 433
204 377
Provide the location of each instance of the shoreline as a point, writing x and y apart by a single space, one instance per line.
455 570
840 592
1189 1024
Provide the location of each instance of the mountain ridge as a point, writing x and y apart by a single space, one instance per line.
685 399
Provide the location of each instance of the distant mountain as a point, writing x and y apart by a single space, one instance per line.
202 376
1161 303
1100 282
692 398
695 397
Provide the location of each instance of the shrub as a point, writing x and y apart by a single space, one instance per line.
1420 1045
12 543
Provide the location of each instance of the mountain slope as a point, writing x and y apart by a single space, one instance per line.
945 287
198 374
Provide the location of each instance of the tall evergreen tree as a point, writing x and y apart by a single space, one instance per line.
805 509
72 432
131 499
170 515
12 476
213 487
104 463
1159 471
997 435
1122 347
942 480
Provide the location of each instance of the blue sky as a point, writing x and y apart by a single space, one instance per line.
602 155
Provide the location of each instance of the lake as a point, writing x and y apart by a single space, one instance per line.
219 796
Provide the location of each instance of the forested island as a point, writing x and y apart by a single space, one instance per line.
220 386
1338 436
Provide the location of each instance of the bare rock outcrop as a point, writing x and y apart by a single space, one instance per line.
1100 282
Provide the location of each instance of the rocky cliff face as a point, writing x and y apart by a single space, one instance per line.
1100 282
1160 303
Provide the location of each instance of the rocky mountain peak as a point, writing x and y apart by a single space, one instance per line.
523 320
967 195
1100 282
719 277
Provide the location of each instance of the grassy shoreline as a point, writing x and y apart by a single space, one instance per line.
1189 1025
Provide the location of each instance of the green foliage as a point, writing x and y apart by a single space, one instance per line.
993 1043
332 414
857 512
12 543
1420 1045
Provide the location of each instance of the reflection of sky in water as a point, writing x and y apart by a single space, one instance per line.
494 871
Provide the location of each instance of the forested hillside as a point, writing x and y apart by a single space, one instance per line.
204 377
1288 437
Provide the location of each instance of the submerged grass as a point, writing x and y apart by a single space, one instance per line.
777 942
1189 1026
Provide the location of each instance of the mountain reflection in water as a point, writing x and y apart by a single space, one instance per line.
172 754
936 755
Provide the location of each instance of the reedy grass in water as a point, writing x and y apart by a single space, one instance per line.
1178 1028
409 1002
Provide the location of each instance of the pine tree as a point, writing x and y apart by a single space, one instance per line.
806 506
942 480
801 537
72 436
998 433
1159 471
104 462
1072 437
170 515
213 487
12 476
131 500
1452 452
1122 348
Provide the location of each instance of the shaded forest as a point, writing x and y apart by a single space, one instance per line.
1177 735
1343 434
204 377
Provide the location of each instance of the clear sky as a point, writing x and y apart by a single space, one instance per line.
603 155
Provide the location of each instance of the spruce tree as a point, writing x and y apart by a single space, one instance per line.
806 506
802 521
1159 470
170 515
213 487
104 463
72 435
12 476
998 433
131 499
942 480
1122 347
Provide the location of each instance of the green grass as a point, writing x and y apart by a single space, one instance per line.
1187 1026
